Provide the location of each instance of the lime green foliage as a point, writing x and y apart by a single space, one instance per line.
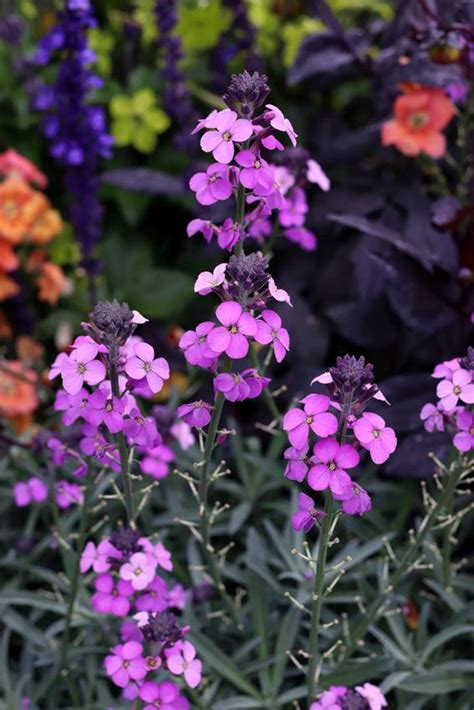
102 43
64 249
201 25
383 8
137 120
144 15
267 24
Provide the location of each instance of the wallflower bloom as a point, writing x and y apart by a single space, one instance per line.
184 662
194 345
232 385
34 490
67 494
378 439
156 461
432 417
297 466
157 553
110 598
213 185
420 116
154 598
355 501
316 175
255 381
255 171
293 212
229 234
231 337
107 410
138 571
301 236
229 129
373 696
159 695
330 461
464 439
197 414
126 664
297 422
81 366
98 557
330 699
280 123
459 388
269 330
206 281
144 365
305 518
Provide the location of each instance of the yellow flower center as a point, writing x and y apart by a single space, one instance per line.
418 120
226 136
332 466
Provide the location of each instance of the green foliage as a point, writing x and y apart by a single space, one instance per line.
201 24
137 120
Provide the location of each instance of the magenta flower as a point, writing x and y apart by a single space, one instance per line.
201 225
207 281
58 365
294 210
110 598
229 234
297 422
141 430
126 664
67 494
330 699
316 175
330 461
280 123
138 571
229 129
154 598
445 370
157 553
378 439
464 439
177 597
144 365
159 695
207 122
195 347
255 171
301 236
355 501
34 490
98 557
184 662
156 461
232 385
81 367
255 381
432 417
103 409
279 294
213 185
197 414
374 697
231 337
297 466
307 515
74 406
269 330
459 388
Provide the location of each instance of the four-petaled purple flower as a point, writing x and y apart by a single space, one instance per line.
378 439
231 337
228 129
126 663
269 330
315 416
305 518
330 462
197 414
144 365
213 185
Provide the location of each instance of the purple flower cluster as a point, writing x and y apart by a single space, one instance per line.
127 582
362 697
334 418
238 138
453 410
76 129
102 377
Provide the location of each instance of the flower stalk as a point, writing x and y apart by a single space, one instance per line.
123 450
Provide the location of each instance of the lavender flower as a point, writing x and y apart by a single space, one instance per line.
76 130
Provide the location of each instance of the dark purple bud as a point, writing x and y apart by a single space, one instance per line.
110 323
246 93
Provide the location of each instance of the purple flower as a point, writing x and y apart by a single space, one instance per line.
159 695
138 571
213 185
156 461
67 494
207 281
280 123
81 367
98 557
229 234
464 439
316 175
297 466
144 365
201 225
255 171
294 210
279 294
197 414
141 430
459 388
110 598
307 515
329 463
373 695
154 598
34 490
73 405
126 663
297 422
194 345
301 236
183 661
355 501
269 330
107 410
232 385
228 129
432 417
255 381
378 439
231 338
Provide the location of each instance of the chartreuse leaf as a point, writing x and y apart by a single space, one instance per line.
222 664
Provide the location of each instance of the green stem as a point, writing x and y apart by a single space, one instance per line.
447 545
239 214
204 525
74 585
408 558
317 597
123 449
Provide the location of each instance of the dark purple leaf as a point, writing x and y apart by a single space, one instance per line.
411 458
407 394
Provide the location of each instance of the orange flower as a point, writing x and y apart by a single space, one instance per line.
420 116
8 259
28 350
12 164
17 389
48 225
14 218
51 283
8 287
